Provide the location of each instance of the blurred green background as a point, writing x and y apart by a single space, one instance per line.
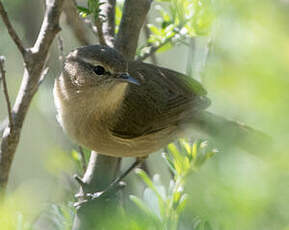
243 62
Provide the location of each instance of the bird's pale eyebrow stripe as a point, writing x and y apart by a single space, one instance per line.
90 61
94 63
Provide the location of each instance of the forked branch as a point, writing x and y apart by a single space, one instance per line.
34 72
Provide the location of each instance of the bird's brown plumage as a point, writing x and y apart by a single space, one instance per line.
165 98
106 113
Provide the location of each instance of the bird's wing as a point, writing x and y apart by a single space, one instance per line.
164 99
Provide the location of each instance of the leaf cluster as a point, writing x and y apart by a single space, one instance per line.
178 20
164 205
93 8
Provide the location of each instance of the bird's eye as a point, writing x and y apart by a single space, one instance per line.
99 70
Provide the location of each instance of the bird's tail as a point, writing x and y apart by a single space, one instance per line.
230 133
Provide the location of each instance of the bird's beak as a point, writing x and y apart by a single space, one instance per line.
127 78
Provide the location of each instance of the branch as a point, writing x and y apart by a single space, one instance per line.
108 9
83 161
35 60
91 26
3 124
132 20
176 37
11 30
5 89
42 76
98 176
111 189
154 49
60 50
98 24
105 26
103 29
49 28
75 22
147 33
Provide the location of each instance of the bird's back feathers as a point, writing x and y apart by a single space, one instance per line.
165 98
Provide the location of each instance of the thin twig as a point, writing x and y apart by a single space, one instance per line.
5 89
147 33
11 30
101 38
154 49
83 160
80 182
115 185
60 49
90 25
76 23
137 162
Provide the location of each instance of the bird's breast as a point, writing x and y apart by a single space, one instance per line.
87 116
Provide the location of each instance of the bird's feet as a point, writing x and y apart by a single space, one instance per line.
85 197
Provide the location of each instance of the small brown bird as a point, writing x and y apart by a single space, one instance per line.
121 108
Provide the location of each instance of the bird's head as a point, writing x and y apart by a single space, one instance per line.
97 66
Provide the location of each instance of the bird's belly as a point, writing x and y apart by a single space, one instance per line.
99 138
106 144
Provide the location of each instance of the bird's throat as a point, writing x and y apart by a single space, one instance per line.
110 100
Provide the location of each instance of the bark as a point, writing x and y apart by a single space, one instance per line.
74 21
35 61
134 14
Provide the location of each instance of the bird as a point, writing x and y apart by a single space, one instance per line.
126 108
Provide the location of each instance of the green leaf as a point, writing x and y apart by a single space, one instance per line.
154 29
186 146
169 162
75 155
83 9
178 160
149 183
165 47
182 203
143 207
207 226
165 24
195 150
